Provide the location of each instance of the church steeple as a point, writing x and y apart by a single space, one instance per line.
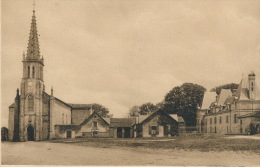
33 49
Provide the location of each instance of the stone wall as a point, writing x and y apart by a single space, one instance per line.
61 113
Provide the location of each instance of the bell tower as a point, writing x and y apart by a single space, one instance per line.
32 87
251 83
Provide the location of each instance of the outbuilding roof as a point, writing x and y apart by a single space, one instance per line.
122 122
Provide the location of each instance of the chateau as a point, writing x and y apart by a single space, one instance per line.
232 111
37 115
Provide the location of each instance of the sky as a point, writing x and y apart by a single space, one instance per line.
125 53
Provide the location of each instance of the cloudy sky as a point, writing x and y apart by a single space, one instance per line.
125 53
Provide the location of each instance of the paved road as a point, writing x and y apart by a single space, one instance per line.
44 153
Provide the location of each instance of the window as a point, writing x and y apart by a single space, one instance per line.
227 119
215 120
210 121
227 129
235 118
66 119
95 124
30 103
215 129
220 120
33 72
28 74
154 127
62 118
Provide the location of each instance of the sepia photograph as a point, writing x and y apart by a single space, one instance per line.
130 82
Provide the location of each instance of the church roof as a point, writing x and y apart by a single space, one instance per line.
80 106
33 49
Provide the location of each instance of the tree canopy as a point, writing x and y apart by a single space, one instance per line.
184 100
217 89
101 110
143 109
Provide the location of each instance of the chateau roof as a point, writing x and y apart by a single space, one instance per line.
242 90
224 94
208 98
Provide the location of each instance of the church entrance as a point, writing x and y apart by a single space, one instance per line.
30 133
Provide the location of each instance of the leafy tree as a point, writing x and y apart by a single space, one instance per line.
143 109
101 110
134 111
217 89
184 100
147 108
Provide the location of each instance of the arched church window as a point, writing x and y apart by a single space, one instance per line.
30 103
33 72
28 72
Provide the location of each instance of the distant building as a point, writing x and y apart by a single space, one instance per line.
155 124
232 111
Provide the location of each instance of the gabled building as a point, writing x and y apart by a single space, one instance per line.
159 124
227 113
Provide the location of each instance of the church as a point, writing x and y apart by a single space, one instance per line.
36 115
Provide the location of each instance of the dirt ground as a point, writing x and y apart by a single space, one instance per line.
46 153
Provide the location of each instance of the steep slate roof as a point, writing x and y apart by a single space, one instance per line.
229 100
242 90
224 94
122 122
208 98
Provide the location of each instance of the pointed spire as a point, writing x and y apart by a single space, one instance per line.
33 49
23 56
